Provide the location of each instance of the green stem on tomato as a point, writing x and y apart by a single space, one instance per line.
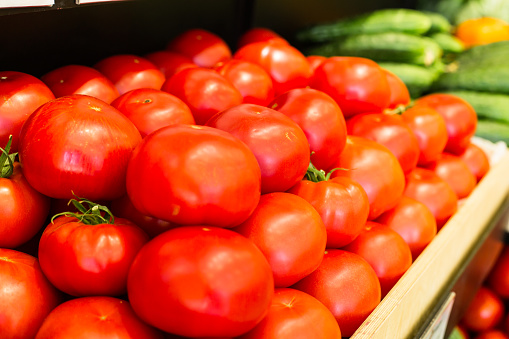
7 160
315 175
93 214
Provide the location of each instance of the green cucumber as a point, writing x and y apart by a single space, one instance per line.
384 47
494 53
418 79
384 20
493 79
493 130
439 23
449 43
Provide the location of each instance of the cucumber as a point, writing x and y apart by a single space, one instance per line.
418 79
493 130
490 106
384 47
494 53
384 20
439 23
449 43
484 79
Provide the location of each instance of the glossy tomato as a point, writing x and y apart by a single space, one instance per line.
321 120
484 312
347 285
26 296
83 146
491 334
128 72
21 95
315 61
398 89
191 174
204 48
295 314
357 84
259 34
95 317
476 160
203 281
278 143
204 91
170 63
78 79
289 232
150 109
498 279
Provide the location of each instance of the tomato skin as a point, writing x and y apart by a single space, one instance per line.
278 143
476 160
95 317
315 61
289 232
335 283
357 84
83 145
321 120
78 79
22 94
295 314
492 334
201 275
259 34
460 119
485 311
128 72
150 109
204 91
26 296
399 91
498 279
342 204
169 179
170 63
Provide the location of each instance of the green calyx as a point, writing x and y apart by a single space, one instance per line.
315 175
92 214
7 160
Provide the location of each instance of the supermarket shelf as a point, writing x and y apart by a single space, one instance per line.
10 7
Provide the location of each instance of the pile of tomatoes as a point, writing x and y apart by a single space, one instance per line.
193 192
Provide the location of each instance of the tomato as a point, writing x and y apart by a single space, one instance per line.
376 169
150 109
95 317
347 285
430 129
259 34
391 131
425 186
204 48
413 221
22 94
315 61
498 279
289 232
128 72
492 334
455 172
83 146
278 143
252 81
26 296
285 64
342 204
78 79
190 174
482 31
321 120
484 312
385 250
398 89
205 92
357 84
170 63
476 160
295 314
460 119
203 281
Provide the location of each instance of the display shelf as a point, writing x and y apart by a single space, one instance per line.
10 7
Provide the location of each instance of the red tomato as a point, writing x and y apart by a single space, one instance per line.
385 250
455 172
259 34
95 317
342 204
357 84
26 296
170 63
321 120
485 311
286 65
399 91
295 314
425 186
347 285
492 334
460 119
429 128
22 94
413 221
204 48
391 131
376 169
205 92
315 61
278 143
476 160
150 109
498 279
202 282
83 145
289 232
128 72
252 81
77 79
190 174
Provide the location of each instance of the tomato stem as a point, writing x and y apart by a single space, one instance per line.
315 175
93 214
7 160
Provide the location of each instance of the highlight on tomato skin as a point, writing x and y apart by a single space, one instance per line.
476 160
